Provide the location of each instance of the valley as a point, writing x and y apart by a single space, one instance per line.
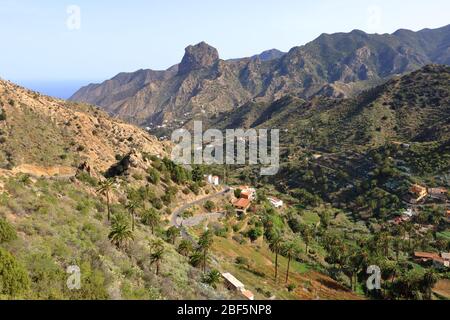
364 178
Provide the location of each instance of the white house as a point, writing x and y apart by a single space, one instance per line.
409 213
214 180
277 203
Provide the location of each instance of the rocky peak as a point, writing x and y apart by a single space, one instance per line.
197 57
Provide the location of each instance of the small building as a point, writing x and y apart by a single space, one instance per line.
247 294
214 180
418 193
241 205
408 213
440 263
247 192
423 257
234 284
438 193
445 255
277 203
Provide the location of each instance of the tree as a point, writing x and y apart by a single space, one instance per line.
131 207
290 250
172 233
254 233
7 232
212 278
14 279
120 234
185 248
237 193
105 189
427 283
204 244
325 219
274 245
308 235
397 244
197 174
151 218
157 253
209 205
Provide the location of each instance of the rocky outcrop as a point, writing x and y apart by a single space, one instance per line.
197 57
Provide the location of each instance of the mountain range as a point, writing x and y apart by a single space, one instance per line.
336 65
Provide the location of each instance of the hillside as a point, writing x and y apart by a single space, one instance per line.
411 108
78 188
202 84
44 131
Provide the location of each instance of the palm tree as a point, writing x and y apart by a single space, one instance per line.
204 244
308 235
185 248
120 235
274 245
428 282
397 244
105 189
290 250
172 234
131 207
151 218
157 247
384 239
212 278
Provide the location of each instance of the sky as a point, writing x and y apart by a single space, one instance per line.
56 46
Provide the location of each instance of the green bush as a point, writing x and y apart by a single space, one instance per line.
14 279
153 176
209 205
7 232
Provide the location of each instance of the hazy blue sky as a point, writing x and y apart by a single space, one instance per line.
38 46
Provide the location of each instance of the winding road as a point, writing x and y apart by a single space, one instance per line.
178 222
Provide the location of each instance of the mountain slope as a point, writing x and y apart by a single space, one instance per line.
414 107
207 85
40 130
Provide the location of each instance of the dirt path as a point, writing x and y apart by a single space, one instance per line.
178 222
45 172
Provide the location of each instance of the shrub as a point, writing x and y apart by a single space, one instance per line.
7 232
243 261
254 234
209 205
291 287
14 279
153 176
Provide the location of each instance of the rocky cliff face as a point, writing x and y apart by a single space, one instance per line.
198 57
203 85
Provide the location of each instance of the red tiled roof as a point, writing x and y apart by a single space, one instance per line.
242 203
248 294
426 255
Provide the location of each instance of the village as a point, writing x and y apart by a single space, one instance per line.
417 198
242 198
